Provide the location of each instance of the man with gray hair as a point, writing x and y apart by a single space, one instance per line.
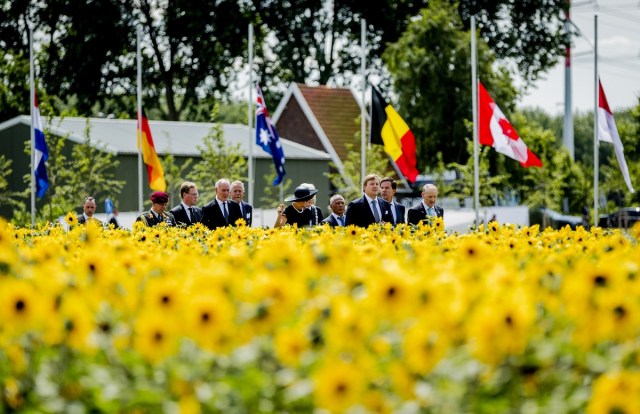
337 206
427 208
221 212
237 195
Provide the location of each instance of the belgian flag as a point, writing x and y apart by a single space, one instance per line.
150 157
390 130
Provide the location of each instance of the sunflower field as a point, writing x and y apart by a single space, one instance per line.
502 319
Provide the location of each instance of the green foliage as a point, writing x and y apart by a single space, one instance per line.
430 68
219 159
75 172
273 195
14 84
491 187
7 197
174 175
350 185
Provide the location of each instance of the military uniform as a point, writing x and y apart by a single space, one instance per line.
150 219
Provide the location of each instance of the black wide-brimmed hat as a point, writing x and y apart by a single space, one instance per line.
301 194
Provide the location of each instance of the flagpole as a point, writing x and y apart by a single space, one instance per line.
32 90
363 118
250 116
474 109
596 152
139 127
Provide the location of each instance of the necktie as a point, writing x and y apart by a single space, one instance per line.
430 212
241 210
374 207
191 218
341 220
226 213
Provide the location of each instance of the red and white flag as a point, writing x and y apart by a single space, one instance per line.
496 131
608 132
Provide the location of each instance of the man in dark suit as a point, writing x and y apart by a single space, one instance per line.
157 214
237 195
186 213
427 208
388 188
337 206
369 209
88 211
221 212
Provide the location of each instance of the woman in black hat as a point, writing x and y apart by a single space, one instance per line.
299 212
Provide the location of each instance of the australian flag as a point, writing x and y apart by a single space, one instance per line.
267 137
41 153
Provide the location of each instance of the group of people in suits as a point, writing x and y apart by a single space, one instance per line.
224 210
377 205
88 213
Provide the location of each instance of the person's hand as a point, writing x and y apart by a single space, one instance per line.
280 210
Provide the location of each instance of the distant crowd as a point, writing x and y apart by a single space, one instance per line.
377 205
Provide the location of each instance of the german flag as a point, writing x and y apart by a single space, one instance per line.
390 130
154 168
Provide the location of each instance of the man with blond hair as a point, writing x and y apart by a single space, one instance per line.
369 209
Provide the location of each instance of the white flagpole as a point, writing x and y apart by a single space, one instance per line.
139 127
363 116
32 90
596 144
250 116
474 106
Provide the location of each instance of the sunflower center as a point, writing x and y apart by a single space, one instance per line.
204 317
166 299
391 292
600 281
20 305
341 388
158 336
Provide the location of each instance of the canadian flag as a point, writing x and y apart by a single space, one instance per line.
608 132
495 130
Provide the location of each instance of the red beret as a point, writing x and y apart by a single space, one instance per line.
160 197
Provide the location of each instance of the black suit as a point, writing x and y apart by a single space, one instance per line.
212 215
359 212
332 221
418 213
182 218
246 211
400 210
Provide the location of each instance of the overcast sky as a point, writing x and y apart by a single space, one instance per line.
618 63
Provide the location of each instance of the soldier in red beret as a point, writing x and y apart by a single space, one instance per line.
157 214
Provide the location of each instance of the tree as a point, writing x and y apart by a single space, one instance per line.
193 48
7 197
271 196
85 169
174 174
430 68
219 159
350 187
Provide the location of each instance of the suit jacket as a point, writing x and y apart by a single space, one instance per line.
359 212
113 220
246 211
212 215
182 218
400 211
151 220
331 220
418 213
83 220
